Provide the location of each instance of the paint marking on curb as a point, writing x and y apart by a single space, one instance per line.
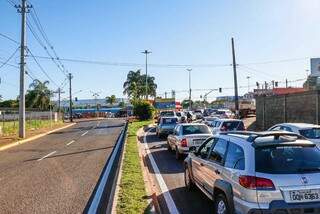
51 153
164 189
71 142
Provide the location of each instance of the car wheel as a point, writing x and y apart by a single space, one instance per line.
187 179
221 205
178 155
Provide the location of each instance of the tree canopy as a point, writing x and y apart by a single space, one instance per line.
111 99
38 95
134 86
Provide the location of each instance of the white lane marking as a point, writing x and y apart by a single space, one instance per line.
71 142
98 123
51 153
164 189
84 133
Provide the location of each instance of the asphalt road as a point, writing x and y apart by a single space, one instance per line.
172 173
56 173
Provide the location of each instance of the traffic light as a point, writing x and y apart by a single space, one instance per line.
220 90
276 84
76 99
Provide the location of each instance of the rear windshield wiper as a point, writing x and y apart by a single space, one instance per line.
314 169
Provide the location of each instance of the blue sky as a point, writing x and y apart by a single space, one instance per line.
177 32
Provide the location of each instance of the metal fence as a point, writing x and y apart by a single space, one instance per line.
9 120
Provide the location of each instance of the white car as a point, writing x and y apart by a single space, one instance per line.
223 113
224 125
309 131
186 135
209 121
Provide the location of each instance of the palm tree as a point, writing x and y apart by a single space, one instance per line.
135 84
38 95
111 100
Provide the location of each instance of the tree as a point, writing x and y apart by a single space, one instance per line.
9 104
111 99
185 104
143 110
134 86
38 95
1 97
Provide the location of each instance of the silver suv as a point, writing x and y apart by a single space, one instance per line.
250 172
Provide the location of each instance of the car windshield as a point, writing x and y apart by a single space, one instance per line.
169 120
313 133
287 159
195 129
167 113
220 112
210 118
233 125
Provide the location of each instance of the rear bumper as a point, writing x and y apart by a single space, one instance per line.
281 207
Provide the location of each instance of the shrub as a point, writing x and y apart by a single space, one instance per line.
143 110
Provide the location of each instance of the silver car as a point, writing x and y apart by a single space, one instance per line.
166 126
249 172
186 135
309 131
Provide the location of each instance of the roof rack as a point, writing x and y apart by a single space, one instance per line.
254 135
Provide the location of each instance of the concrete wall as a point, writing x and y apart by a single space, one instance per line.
299 107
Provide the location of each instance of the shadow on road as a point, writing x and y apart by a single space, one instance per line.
193 201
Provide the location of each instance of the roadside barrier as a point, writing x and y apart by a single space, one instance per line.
102 197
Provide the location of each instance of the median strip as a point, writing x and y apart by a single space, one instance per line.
47 155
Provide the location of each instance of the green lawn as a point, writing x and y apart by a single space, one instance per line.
132 194
11 127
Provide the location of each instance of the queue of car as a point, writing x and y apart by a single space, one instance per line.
276 171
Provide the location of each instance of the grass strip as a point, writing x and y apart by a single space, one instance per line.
132 194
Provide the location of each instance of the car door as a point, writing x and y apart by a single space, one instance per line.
171 137
214 167
175 136
200 159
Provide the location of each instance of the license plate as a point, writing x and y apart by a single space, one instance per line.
305 195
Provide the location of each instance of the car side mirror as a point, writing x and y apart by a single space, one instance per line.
193 149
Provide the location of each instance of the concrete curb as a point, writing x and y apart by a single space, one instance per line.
151 187
33 138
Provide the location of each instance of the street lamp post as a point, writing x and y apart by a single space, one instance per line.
190 105
146 52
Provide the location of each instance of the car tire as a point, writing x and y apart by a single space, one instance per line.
221 205
188 180
178 155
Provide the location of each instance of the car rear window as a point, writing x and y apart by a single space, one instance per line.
169 120
195 129
287 159
233 125
167 113
313 133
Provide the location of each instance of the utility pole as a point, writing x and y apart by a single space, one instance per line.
70 98
190 105
146 52
165 95
236 98
286 83
23 9
248 78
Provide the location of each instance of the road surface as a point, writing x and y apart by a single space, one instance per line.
172 173
56 173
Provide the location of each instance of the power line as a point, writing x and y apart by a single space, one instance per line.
40 28
41 68
277 61
10 57
12 3
9 38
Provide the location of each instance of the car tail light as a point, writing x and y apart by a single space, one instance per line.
252 182
184 142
